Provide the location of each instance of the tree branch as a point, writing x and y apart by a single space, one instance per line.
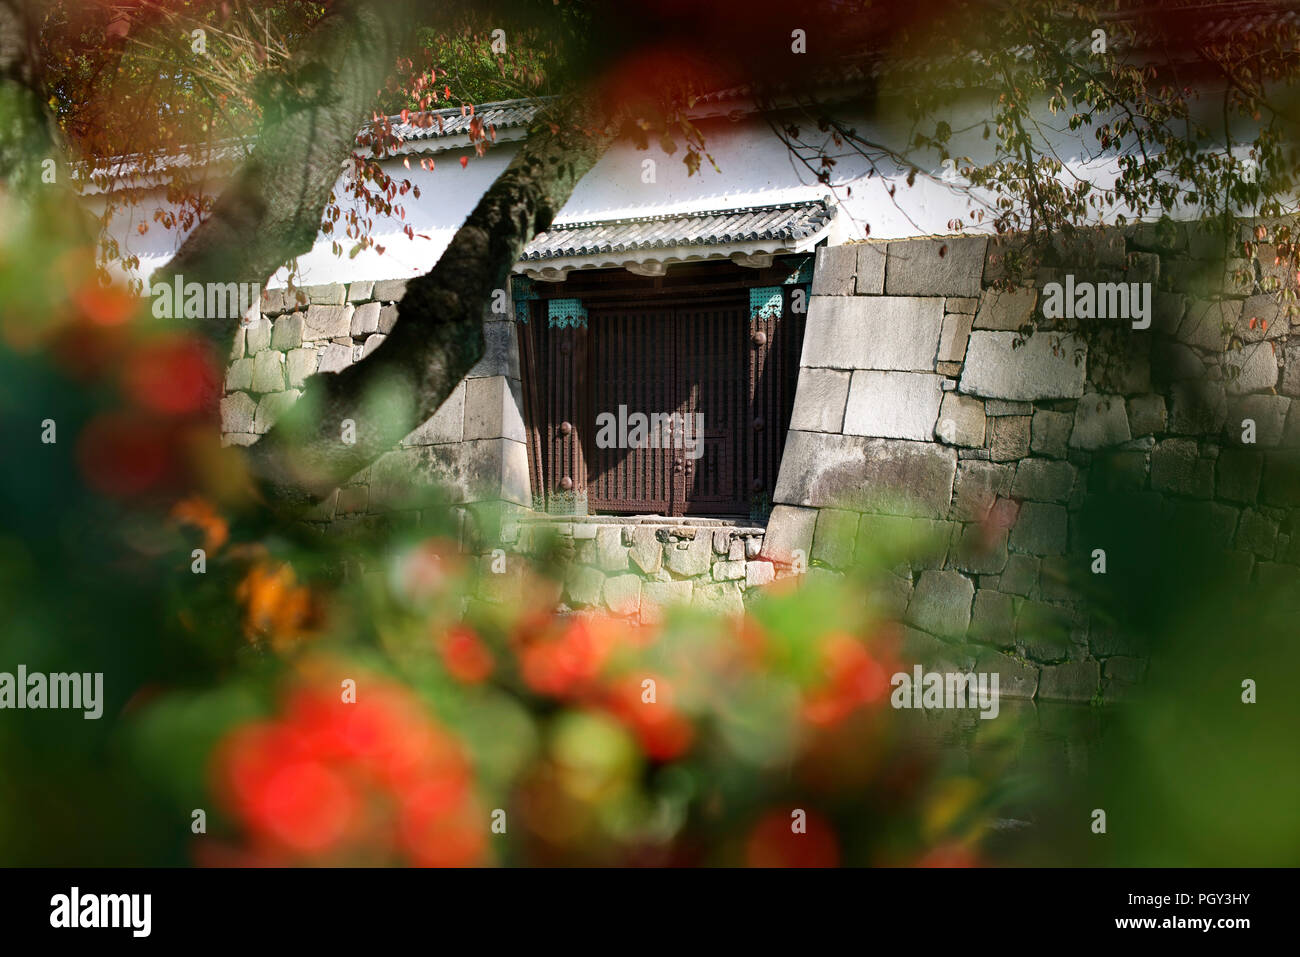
271 211
439 332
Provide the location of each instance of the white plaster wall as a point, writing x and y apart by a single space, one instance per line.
754 168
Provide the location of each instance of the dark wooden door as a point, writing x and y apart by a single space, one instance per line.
711 378
678 361
630 365
708 352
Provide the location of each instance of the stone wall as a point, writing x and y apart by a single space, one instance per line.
471 451
922 411
922 415
636 567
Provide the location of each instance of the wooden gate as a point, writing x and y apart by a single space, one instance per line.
706 355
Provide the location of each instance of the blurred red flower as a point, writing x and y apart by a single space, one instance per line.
330 781
853 678
465 655
568 664
104 305
775 843
664 732
124 455
174 375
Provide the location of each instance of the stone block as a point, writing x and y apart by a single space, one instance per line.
690 558
257 336
941 603
936 267
1206 324
728 571
895 539
759 573
835 270
1197 407
871 269
387 318
993 619
1050 433
934 654
389 290
1262 318
300 364
271 408
882 332
981 549
611 555
1100 421
425 476
1176 466
953 337
719 598
893 405
623 594
1037 369
445 425
1290 384
1041 529
239 375
1069 681
1043 480
500 351
584 585
360 290
286 333
819 400
1008 437
492 409
335 358
1237 474
961 421
268 371
658 596
327 322
1016 678
647 551
365 320
978 486
1006 310
865 474
275 301
789 530
331 294
1146 415
1252 369
835 537
1043 630
1020 576
237 412
1175 362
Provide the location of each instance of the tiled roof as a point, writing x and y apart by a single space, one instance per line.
788 221
504 115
